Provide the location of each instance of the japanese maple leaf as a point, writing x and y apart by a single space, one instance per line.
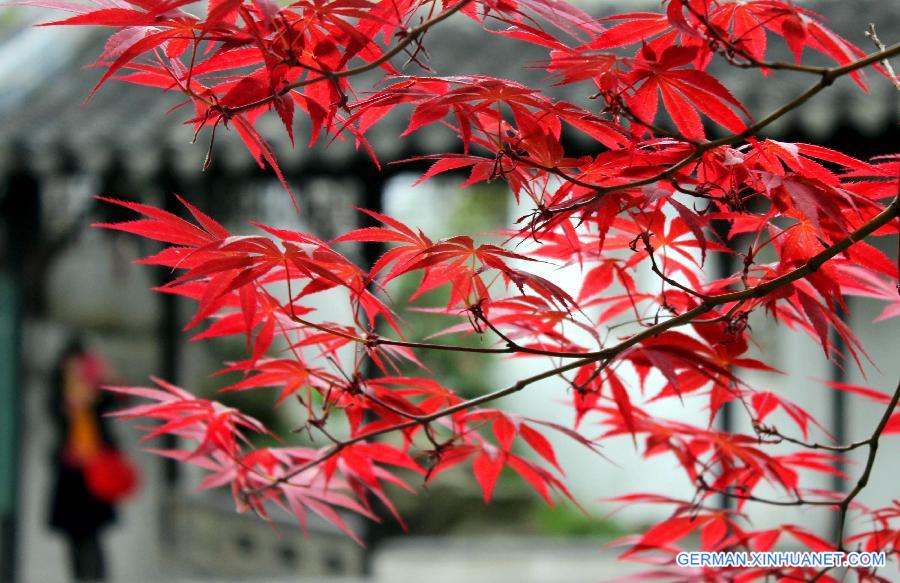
686 92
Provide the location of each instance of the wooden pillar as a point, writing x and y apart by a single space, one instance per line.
372 198
724 268
168 326
168 334
10 425
838 413
20 209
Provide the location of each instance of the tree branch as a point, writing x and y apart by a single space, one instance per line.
607 354
409 36
828 76
799 501
844 505
867 471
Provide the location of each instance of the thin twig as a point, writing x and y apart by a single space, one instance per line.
870 32
798 501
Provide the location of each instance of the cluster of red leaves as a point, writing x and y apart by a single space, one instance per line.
657 197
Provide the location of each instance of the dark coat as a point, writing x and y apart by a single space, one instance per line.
74 510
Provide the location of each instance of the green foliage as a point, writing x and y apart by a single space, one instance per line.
568 521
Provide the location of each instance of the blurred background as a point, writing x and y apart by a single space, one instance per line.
60 279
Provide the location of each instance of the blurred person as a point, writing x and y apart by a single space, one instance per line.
91 475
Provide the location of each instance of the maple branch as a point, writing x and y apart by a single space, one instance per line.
326 329
754 63
798 501
514 346
645 237
751 61
374 340
779 437
844 505
409 36
379 340
389 407
727 317
760 290
867 470
828 77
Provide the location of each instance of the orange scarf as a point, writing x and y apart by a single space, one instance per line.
84 435
84 429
